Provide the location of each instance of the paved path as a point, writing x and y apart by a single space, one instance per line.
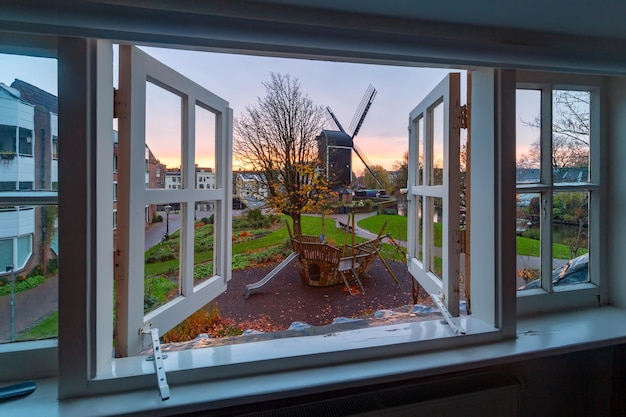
30 307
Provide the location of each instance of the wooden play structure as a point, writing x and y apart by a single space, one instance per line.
322 264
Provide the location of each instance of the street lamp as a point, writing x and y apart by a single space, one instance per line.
167 208
10 268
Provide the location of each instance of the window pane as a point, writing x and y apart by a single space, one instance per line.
6 252
24 250
420 152
28 232
528 131
163 238
204 233
163 136
570 236
570 136
35 274
437 160
205 149
528 243
435 230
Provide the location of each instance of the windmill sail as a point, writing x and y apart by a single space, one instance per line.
361 111
361 156
334 119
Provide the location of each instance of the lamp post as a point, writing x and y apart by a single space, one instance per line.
167 208
10 268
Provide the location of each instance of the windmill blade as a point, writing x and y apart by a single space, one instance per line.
361 156
334 119
361 111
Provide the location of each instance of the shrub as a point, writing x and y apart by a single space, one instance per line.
532 233
38 270
157 218
157 290
208 220
53 265
159 253
22 284
254 215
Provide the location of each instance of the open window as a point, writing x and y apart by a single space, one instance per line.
433 192
196 136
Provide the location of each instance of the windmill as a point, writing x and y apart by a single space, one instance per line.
335 147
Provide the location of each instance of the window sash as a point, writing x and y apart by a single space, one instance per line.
581 295
136 68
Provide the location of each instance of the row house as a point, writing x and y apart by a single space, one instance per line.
29 153
251 189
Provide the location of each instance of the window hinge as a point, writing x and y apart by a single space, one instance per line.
463 239
117 263
119 105
157 357
461 115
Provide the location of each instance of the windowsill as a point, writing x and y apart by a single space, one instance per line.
537 337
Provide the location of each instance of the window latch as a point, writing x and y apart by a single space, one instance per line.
446 315
157 357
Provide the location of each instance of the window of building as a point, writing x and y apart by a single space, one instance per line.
25 142
55 147
7 138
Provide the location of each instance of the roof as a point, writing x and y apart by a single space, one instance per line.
11 92
36 96
335 138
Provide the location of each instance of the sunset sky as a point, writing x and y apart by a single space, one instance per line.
238 79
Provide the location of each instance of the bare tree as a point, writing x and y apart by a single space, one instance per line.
570 132
276 137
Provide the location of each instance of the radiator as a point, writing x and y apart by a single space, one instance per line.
484 394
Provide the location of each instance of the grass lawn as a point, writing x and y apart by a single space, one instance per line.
397 227
49 327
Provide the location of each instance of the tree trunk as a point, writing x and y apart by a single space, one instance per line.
297 229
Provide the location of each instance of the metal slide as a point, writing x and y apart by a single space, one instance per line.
252 287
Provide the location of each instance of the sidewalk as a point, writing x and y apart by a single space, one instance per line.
30 307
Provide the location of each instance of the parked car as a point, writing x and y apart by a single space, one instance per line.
574 271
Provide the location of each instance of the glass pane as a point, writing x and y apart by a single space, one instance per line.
420 151
162 242
528 135
24 250
435 238
419 228
28 233
203 241
436 174
34 277
163 135
570 238
570 136
528 243
205 149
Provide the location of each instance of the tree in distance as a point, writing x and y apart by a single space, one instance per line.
275 137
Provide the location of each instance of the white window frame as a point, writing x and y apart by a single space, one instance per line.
80 362
591 294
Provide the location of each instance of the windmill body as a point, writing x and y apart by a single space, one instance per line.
335 147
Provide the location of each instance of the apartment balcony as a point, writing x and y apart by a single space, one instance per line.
16 221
